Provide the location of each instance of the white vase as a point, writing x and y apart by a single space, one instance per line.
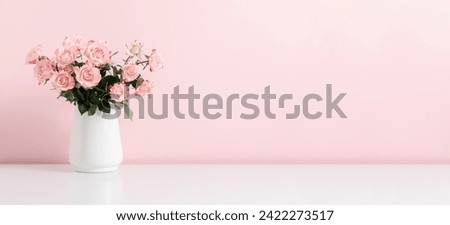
95 145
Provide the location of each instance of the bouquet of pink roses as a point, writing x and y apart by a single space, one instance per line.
83 73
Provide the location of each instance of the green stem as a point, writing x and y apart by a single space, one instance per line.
142 62
126 61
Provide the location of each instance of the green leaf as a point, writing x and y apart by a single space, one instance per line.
116 72
137 82
92 110
78 64
107 67
82 108
93 98
128 112
119 105
103 73
68 95
80 93
106 81
105 106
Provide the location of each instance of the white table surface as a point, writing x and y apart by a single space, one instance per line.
228 184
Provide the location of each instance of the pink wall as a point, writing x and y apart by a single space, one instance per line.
391 57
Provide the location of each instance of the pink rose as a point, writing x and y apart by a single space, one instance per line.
135 49
129 72
34 55
144 88
43 70
68 69
155 61
76 42
63 81
116 92
87 75
65 55
97 53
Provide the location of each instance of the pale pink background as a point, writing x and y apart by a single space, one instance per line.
392 57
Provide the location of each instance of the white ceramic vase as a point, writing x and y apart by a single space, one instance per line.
95 145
